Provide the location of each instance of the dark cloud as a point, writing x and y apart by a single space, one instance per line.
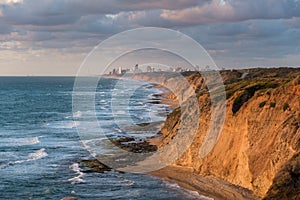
115 6
248 41
57 12
40 13
228 29
235 10
5 29
267 9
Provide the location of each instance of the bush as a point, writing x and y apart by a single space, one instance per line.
262 104
244 97
286 106
272 105
239 101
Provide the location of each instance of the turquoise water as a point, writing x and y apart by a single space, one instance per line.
40 147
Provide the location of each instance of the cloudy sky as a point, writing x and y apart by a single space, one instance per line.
52 37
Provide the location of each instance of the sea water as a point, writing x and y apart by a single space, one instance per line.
40 149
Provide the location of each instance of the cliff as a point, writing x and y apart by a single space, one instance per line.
259 144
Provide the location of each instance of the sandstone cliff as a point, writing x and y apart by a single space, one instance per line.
259 144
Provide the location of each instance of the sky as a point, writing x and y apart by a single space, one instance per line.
53 37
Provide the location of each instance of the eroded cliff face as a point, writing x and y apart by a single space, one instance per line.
261 130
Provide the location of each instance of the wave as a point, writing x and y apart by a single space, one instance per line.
189 193
9 142
103 101
41 153
37 155
102 108
123 180
63 124
97 146
119 112
128 182
77 179
77 114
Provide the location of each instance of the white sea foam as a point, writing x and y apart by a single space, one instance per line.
8 142
128 182
103 101
37 155
190 193
123 180
3 166
77 179
63 124
119 112
77 114
97 146
41 153
172 185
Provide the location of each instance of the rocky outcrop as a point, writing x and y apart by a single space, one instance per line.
92 166
286 184
260 139
69 198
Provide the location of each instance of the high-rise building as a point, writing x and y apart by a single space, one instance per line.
120 70
136 68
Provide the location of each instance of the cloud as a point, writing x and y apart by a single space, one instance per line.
233 31
40 13
235 10
57 12
247 41
2 2
210 12
5 29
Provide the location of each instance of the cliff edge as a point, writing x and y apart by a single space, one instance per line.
258 148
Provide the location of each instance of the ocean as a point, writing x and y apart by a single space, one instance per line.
40 149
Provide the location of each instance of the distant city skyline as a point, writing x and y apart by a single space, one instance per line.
53 37
154 67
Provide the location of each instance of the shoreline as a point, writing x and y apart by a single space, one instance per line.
185 177
211 187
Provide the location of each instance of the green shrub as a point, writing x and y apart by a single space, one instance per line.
286 106
244 97
229 94
239 101
272 105
262 104
271 85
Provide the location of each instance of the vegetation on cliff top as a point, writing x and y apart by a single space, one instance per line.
270 88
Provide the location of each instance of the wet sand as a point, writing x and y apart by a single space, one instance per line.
212 187
208 186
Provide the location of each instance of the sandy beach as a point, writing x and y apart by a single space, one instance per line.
212 187
185 177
